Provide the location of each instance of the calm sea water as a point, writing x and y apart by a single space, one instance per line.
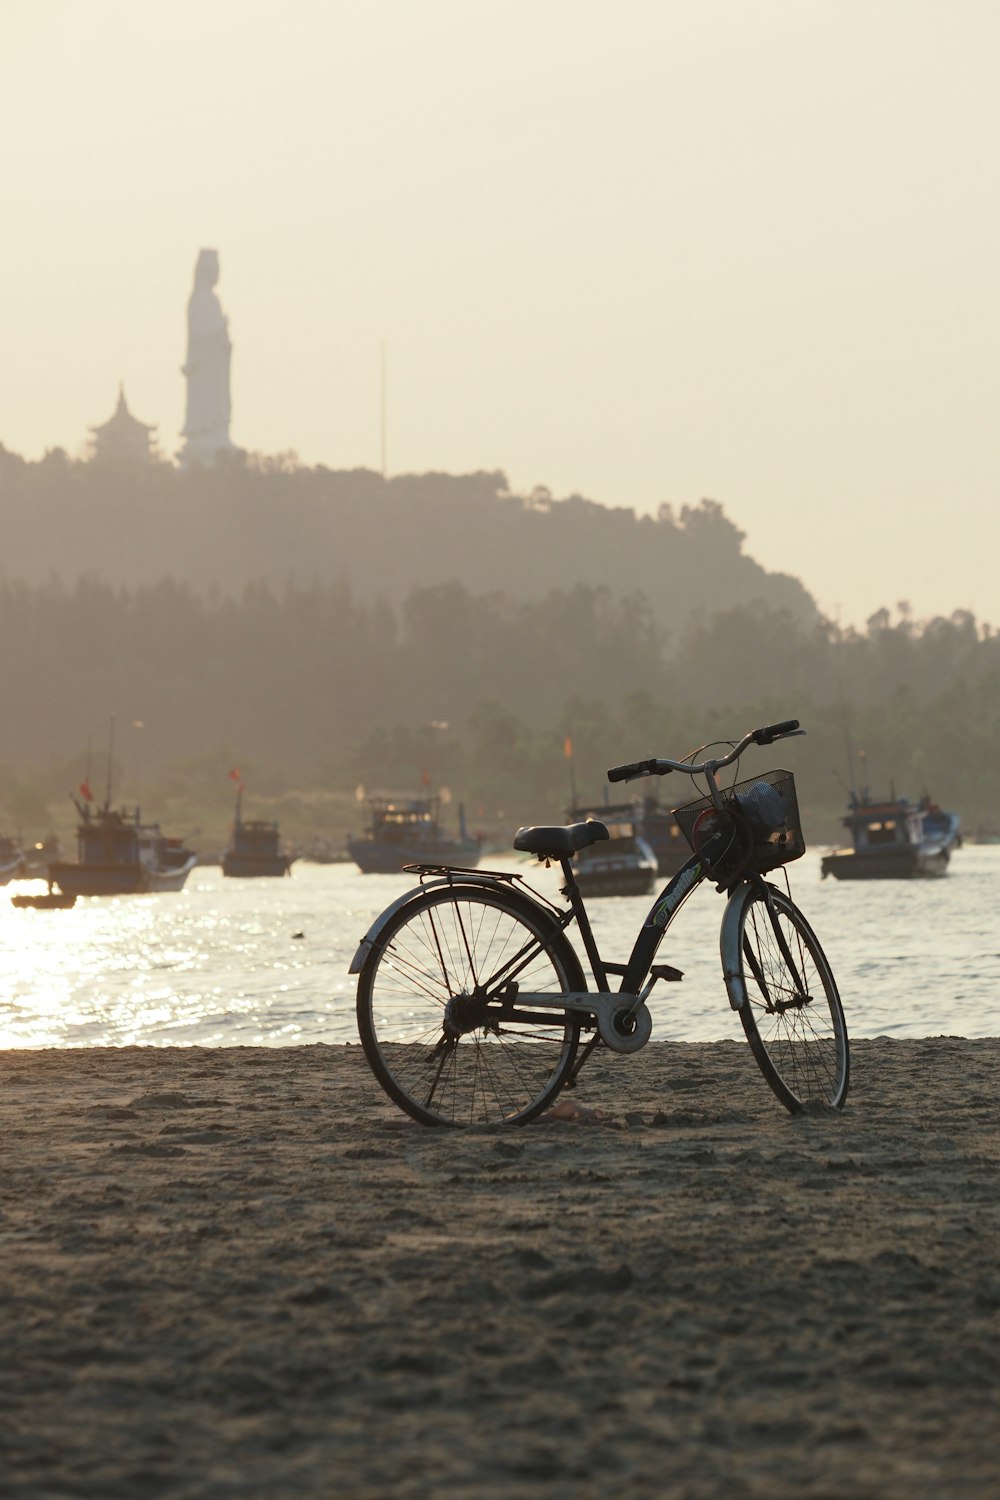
221 963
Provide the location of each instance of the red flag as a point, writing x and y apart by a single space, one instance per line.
425 778
85 792
568 748
234 775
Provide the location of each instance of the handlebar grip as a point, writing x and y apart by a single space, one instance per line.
772 732
633 769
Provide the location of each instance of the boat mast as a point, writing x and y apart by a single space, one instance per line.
849 746
111 746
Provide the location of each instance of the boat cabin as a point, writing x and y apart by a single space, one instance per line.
117 838
874 826
395 820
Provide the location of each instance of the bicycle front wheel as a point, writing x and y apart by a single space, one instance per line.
439 1015
792 1014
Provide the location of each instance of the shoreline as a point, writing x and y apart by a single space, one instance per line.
242 1272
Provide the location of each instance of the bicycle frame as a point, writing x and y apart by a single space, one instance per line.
620 1018
480 965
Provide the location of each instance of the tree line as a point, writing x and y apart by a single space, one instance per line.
316 686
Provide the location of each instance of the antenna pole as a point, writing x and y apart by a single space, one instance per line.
847 741
383 404
111 746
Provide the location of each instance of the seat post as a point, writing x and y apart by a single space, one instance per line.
572 893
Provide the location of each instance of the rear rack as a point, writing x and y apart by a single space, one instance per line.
508 877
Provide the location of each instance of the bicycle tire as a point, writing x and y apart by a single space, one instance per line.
423 986
799 1040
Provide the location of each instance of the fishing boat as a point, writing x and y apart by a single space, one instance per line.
661 831
254 847
120 855
11 859
621 865
889 841
405 831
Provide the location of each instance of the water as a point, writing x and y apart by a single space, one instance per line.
219 964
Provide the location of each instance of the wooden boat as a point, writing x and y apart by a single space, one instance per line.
50 901
623 864
119 855
255 847
889 841
405 831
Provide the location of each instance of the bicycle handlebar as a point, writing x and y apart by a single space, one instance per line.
772 732
764 736
639 768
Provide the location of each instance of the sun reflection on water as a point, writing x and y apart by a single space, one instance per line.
223 962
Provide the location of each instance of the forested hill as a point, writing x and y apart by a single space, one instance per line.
270 521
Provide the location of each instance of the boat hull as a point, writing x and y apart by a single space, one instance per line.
896 864
616 882
944 828
171 878
373 857
600 874
118 879
243 866
51 901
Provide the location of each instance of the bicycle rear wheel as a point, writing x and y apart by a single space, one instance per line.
792 1015
439 1017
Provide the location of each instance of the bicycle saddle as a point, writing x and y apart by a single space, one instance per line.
559 843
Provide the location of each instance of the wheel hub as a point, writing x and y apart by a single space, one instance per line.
465 1013
799 1003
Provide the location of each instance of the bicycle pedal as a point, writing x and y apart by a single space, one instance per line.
666 971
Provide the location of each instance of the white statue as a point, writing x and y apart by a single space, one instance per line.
206 422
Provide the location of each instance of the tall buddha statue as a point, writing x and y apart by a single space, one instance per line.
206 422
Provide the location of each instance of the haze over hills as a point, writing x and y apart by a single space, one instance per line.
323 629
264 520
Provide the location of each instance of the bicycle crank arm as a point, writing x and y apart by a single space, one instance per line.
623 1021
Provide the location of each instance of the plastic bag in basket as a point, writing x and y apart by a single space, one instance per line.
764 805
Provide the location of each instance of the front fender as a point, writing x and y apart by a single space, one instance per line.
471 878
729 945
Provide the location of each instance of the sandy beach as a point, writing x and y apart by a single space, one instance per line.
242 1272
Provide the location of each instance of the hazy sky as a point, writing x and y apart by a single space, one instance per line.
646 251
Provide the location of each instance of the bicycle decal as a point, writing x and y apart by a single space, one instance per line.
669 900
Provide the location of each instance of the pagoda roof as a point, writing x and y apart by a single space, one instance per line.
122 422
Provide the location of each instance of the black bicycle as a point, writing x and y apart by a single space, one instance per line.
473 1007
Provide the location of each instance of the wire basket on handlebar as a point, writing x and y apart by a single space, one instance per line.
759 830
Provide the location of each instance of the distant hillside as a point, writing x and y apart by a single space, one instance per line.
264 520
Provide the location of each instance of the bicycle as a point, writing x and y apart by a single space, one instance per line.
472 1002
